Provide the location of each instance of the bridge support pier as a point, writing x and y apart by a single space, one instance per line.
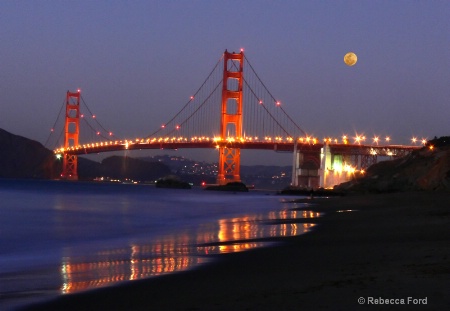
295 162
306 167
325 160
318 167
332 168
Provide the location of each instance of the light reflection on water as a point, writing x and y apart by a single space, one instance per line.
178 252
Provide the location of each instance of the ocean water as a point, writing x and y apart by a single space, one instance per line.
58 238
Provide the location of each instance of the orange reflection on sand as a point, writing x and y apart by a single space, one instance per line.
178 252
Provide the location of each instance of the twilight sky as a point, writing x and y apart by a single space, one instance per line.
137 62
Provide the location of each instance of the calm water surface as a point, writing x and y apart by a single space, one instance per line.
58 238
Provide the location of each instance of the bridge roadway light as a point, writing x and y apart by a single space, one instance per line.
376 139
344 139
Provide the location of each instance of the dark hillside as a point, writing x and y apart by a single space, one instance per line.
424 169
125 167
21 157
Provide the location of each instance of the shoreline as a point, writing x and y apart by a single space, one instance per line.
390 246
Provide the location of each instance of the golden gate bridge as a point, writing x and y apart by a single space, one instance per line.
228 112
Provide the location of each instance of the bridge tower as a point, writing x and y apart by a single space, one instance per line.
231 116
72 132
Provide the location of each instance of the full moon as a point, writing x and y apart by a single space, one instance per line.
350 59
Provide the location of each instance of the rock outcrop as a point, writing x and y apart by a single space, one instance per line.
424 169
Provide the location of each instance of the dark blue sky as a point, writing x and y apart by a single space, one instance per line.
137 62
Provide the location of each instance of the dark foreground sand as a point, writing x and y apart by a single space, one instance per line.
395 246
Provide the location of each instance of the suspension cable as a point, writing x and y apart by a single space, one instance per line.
93 130
273 98
54 124
200 106
96 121
262 104
190 100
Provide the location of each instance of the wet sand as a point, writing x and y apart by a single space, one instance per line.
391 246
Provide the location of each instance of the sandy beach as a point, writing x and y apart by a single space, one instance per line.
377 252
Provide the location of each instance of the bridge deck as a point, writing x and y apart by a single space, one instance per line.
386 150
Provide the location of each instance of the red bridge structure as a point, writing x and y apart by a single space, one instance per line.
250 118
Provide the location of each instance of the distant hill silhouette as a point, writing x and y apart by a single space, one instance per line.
125 167
21 157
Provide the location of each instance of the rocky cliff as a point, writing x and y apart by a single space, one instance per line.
424 169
